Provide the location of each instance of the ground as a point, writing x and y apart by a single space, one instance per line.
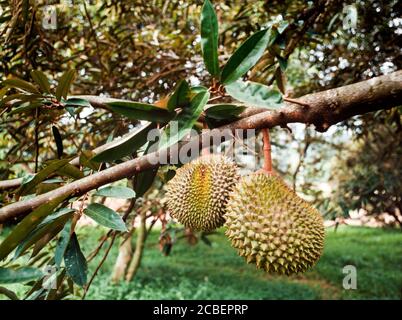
217 272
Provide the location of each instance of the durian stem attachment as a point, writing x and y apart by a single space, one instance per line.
267 150
205 151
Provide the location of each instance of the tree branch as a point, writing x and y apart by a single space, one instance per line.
324 109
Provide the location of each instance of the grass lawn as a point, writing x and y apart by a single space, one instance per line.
216 272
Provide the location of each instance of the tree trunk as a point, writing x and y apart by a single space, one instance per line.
396 212
139 248
123 259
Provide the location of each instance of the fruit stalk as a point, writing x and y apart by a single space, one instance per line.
267 150
205 151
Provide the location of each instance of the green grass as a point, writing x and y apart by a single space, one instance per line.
217 272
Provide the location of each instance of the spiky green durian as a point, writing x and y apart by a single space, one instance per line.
197 195
272 227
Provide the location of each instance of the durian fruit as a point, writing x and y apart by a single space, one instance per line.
197 195
272 227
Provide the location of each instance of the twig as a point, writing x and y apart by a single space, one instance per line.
309 17
78 214
163 74
94 253
99 265
296 102
93 32
217 98
36 139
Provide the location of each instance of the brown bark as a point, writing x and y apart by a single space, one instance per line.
10 184
324 109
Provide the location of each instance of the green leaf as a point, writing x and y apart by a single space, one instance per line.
23 274
140 111
8 293
180 97
85 160
144 179
105 216
209 38
77 102
198 89
64 85
41 175
219 114
46 187
3 92
62 243
53 180
55 215
53 225
32 97
27 225
27 106
17 96
58 140
254 94
40 78
281 27
247 55
5 18
283 63
116 192
126 147
224 111
70 170
280 80
20 84
27 178
184 120
35 290
71 110
75 262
